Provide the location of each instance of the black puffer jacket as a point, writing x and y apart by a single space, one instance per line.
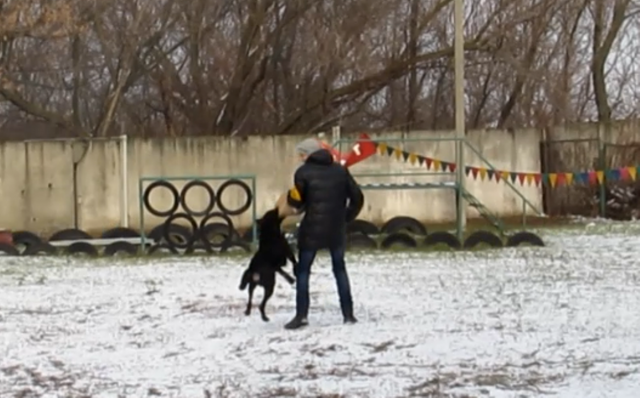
330 198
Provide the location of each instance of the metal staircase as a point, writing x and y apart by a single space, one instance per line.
484 211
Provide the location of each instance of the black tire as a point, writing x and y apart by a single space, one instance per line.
174 193
157 249
218 229
228 245
188 236
8 250
70 234
363 227
210 192
442 237
524 237
360 241
120 233
482 237
203 227
398 238
404 224
120 247
26 239
157 233
40 249
81 248
198 246
240 209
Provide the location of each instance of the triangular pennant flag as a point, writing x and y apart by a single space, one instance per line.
413 158
436 165
521 178
405 156
483 173
538 178
490 174
420 160
613 175
382 148
553 179
390 150
467 170
474 172
513 177
505 175
577 178
600 176
568 177
529 179
452 167
584 177
633 172
561 179
428 162
593 178
398 153
444 166
624 174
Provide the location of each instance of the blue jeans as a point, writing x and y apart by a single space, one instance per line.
305 260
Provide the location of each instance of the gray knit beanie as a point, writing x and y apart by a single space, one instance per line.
308 146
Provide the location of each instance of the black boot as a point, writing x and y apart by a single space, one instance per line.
349 318
296 323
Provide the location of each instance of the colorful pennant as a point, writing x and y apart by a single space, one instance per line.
590 177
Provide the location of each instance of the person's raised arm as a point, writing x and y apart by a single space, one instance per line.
296 195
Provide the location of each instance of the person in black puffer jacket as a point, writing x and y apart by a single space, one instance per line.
330 198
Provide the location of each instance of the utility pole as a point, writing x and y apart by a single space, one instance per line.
458 55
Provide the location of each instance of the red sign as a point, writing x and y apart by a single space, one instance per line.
361 150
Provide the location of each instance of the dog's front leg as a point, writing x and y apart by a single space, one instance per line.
286 276
252 286
292 257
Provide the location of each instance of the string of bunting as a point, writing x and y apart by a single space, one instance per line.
590 177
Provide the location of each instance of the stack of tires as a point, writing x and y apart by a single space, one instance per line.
409 233
27 243
187 230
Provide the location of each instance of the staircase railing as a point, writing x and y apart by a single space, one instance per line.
525 202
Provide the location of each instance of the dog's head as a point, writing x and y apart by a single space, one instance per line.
270 222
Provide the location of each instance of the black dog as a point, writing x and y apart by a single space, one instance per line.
273 253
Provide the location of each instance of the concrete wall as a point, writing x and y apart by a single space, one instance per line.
37 178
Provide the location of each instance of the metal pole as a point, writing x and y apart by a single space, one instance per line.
458 15
124 182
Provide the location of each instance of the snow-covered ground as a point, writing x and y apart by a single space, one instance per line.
527 322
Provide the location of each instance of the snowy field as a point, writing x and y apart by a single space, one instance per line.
559 321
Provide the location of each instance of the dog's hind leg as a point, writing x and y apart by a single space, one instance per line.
252 287
268 292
